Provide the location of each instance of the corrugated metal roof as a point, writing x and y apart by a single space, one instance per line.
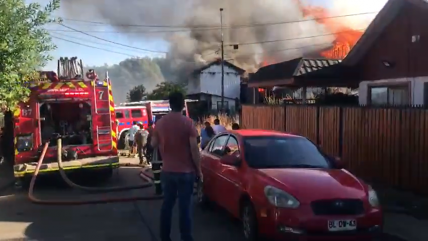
311 65
292 68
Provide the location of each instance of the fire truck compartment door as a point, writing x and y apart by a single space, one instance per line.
27 125
102 117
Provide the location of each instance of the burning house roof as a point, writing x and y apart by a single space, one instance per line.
385 16
218 61
287 70
345 36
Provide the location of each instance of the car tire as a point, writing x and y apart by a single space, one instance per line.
249 222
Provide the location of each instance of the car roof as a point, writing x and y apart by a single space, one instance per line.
258 132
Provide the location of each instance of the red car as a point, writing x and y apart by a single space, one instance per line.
283 187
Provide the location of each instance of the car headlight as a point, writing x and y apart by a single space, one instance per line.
372 196
280 198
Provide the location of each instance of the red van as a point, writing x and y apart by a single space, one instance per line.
127 116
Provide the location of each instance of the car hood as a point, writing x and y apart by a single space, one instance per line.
315 184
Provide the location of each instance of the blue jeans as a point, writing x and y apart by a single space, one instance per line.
177 185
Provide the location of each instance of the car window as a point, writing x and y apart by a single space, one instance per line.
283 152
127 114
119 115
136 113
216 147
210 143
231 145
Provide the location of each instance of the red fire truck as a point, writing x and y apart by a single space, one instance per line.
141 111
79 110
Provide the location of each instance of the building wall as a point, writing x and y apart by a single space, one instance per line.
404 42
417 86
210 79
230 103
194 85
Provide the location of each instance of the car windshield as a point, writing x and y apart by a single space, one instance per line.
283 152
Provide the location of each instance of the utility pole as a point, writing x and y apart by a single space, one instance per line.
222 60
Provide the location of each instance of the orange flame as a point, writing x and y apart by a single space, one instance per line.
345 37
267 62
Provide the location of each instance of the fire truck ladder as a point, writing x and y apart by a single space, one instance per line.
102 110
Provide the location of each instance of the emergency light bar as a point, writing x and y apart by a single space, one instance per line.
66 94
76 93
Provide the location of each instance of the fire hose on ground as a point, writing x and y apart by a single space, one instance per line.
33 199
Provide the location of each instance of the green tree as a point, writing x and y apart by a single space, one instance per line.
163 90
137 93
24 46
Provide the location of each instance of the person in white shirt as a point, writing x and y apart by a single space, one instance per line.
217 127
132 145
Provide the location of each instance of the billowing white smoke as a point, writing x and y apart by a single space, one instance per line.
202 45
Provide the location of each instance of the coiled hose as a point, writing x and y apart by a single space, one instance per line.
88 189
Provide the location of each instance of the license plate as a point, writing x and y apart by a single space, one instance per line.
342 225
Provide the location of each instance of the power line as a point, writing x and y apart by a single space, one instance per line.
283 50
107 50
231 59
288 39
188 29
93 47
249 43
109 41
95 42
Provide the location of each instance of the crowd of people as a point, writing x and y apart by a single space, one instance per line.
140 137
208 132
139 142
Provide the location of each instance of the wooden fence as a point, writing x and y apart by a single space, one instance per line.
388 146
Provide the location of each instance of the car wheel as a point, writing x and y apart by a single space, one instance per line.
249 222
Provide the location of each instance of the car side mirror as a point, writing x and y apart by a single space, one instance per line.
231 160
338 162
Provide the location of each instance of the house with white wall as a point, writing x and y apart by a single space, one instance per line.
205 85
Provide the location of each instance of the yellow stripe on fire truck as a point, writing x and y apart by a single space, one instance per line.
112 113
70 85
58 85
15 141
16 114
54 169
46 86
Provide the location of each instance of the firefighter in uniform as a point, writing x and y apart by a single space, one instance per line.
141 141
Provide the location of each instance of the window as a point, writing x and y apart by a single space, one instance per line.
389 95
217 147
232 145
119 115
226 105
136 113
283 152
127 114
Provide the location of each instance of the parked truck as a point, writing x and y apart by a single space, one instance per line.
72 106
142 111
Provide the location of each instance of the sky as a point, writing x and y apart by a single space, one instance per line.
93 56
